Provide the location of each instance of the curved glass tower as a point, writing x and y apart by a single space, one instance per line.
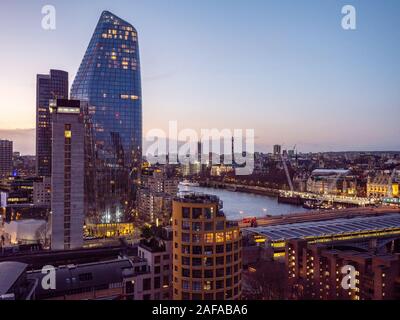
109 80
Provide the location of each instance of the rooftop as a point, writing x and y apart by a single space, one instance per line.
192 197
327 228
75 277
10 272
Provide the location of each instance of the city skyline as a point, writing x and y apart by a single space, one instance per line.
323 93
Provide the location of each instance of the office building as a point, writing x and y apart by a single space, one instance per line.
207 250
6 158
383 185
48 87
67 180
109 80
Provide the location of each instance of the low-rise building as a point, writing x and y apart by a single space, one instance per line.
158 254
119 279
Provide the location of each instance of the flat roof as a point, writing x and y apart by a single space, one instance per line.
9 274
330 171
327 228
73 277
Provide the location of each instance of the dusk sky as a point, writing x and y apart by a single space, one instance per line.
284 68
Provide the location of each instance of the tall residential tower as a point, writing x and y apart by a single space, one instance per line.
109 80
207 250
68 174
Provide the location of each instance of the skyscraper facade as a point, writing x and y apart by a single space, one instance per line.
48 87
207 250
6 158
109 80
68 174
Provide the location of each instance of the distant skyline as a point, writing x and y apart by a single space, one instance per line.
286 69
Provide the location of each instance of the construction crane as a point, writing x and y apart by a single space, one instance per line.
285 167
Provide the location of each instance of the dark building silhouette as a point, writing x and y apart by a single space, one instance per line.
48 87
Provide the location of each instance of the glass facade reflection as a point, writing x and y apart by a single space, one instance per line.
109 79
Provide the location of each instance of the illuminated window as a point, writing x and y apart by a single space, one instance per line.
209 237
229 236
68 134
208 285
219 237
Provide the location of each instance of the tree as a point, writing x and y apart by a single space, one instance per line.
266 281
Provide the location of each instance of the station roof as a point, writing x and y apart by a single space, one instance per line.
327 227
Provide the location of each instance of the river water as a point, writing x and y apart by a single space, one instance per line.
239 205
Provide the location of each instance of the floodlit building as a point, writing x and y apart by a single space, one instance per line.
382 185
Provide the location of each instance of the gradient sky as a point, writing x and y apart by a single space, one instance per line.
284 68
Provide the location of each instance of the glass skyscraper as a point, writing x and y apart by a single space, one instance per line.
109 80
48 87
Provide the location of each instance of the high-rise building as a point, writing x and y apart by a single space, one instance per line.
277 149
6 158
68 171
109 79
48 87
207 250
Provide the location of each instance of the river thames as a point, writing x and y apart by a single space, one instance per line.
239 205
